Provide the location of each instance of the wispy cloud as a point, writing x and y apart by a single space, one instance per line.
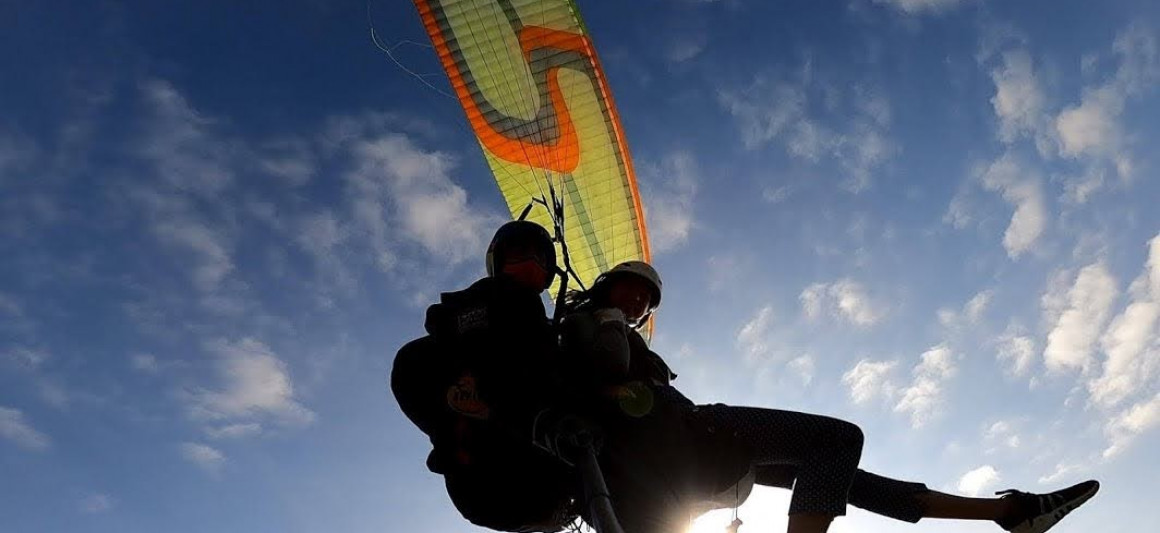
1020 186
395 184
923 397
180 142
1132 340
144 362
1001 434
976 481
10 306
234 431
914 7
96 503
869 379
1060 472
1131 423
1019 101
805 368
1091 133
1016 351
26 358
206 457
292 160
753 338
971 312
780 111
256 386
845 299
211 252
1094 128
1071 341
15 428
686 47
670 186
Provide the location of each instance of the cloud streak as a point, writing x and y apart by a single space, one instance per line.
922 399
15 428
257 387
1071 341
844 299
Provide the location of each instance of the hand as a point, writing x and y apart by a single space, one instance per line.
564 435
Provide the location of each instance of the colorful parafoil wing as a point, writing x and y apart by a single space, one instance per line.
527 75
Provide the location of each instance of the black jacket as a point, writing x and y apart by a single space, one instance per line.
488 363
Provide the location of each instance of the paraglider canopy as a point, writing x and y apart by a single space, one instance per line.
527 76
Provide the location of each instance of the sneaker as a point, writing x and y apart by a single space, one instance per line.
1037 513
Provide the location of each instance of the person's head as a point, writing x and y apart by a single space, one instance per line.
634 287
523 251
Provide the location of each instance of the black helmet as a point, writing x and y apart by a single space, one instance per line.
521 233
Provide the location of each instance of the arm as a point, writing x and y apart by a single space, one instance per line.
596 347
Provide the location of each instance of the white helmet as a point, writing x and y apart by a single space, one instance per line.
642 270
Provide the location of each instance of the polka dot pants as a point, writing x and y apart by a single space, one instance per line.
817 456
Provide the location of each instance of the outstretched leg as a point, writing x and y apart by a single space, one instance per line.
910 502
824 452
817 456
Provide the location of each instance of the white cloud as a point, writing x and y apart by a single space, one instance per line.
1020 187
1061 471
845 298
977 305
922 399
291 160
753 337
775 195
1131 355
670 186
143 362
1131 423
16 151
10 306
321 235
1019 101
257 384
26 358
425 205
912 7
213 262
868 380
765 110
805 367
1153 268
96 503
1002 434
1054 300
15 428
1093 129
687 47
973 483
1017 351
1070 343
779 111
206 457
178 141
971 313
1132 342
53 393
234 431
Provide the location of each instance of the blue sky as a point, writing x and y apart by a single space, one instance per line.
934 218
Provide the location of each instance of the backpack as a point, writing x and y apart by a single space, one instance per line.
462 385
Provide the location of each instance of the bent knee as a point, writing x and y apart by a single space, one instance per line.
848 435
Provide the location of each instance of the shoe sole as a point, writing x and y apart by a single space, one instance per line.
1044 522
